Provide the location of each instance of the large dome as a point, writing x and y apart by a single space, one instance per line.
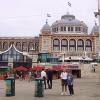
69 20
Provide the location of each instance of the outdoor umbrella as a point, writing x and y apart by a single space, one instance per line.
38 68
56 68
21 68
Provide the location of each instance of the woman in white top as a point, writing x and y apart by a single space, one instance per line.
63 77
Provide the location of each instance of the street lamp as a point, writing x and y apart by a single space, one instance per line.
63 58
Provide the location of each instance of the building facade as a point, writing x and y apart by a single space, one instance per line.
67 36
18 50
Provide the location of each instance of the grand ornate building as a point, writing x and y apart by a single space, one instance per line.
66 37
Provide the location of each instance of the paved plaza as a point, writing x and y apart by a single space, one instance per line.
86 88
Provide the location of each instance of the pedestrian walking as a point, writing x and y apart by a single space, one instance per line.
29 76
93 67
70 81
44 76
49 78
63 77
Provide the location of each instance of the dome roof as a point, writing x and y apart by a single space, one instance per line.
95 28
46 28
68 20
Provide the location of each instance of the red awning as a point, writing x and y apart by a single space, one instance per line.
38 68
56 68
20 68
30 69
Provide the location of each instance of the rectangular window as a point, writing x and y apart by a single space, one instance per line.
61 28
64 28
64 48
56 48
71 29
79 28
80 49
88 49
72 48
76 29
56 29
68 29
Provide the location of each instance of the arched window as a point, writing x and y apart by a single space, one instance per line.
18 46
88 42
88 45
5 46
72 45
80 45
30 46
56 44
24 46
64 44
36 46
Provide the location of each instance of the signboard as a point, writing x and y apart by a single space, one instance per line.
10 65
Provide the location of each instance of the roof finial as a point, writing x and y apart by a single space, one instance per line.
46 21
67 13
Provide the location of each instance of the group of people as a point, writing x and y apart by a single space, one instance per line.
47 76
66 80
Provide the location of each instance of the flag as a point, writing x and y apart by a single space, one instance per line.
69 4
48 15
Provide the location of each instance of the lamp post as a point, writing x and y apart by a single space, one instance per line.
97 14
63 58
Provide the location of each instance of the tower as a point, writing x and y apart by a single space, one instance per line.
45 39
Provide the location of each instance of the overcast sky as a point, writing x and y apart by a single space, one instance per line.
26 17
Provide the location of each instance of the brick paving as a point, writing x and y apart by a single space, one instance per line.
86 88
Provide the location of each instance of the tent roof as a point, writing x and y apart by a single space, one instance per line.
20 68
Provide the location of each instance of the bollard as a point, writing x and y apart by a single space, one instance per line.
39 88
10 86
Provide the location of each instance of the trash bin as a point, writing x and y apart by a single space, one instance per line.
10 86
39 89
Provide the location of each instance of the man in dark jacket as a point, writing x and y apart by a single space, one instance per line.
70 81
49 78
